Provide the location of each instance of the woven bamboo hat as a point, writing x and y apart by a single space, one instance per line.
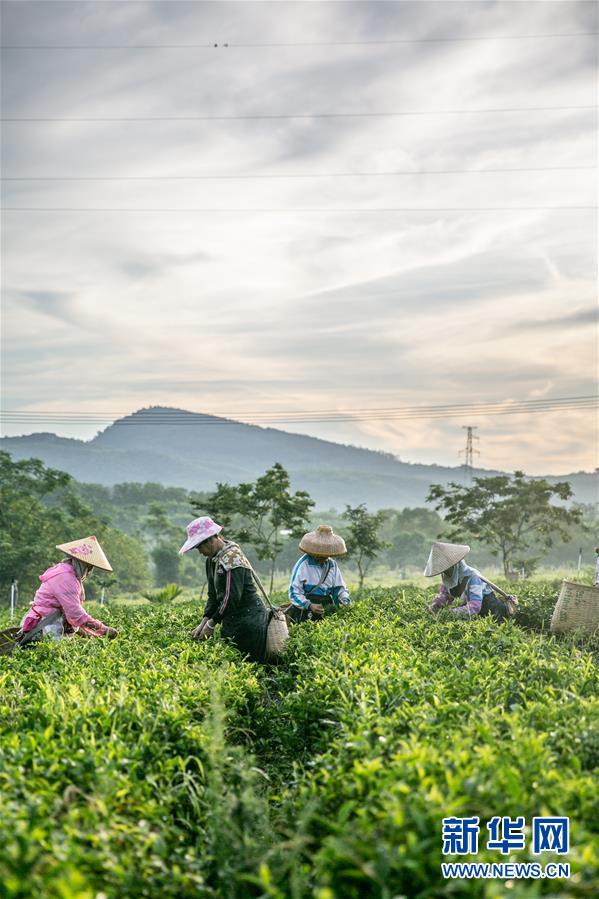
444 556
87 550
323 542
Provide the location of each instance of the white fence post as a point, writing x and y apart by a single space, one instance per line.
14 594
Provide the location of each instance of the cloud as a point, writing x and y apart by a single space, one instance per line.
52 303
579 318
291 309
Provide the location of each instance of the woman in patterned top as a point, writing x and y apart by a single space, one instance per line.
233 600
317 585
461 581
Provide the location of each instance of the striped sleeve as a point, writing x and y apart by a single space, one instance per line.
340 591
297 593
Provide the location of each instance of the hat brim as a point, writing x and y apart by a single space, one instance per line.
329 552
433 570
99 565
194 541
94 555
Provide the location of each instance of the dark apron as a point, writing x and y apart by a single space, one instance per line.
246 629
495 606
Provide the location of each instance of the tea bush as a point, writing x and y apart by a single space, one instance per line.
153 766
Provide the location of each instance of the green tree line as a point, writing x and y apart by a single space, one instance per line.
142 526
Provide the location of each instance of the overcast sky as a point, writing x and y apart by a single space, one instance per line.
270 311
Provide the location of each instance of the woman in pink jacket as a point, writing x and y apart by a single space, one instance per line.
57 607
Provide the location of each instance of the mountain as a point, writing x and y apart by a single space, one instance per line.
185 449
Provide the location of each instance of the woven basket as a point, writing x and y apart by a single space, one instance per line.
7 640
577 608
277 635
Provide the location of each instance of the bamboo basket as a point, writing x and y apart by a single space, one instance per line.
277 635
577 609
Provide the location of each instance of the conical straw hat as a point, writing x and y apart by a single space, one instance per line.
323 542
87 550
444 556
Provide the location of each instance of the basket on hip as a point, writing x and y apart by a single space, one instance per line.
277 634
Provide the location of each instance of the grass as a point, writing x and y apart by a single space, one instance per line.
153 766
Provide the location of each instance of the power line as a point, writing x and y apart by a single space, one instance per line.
262 45
242 177
310 210
176 417
291 116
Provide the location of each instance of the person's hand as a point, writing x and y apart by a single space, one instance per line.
316 609
111 633
204 629
198 630
208 630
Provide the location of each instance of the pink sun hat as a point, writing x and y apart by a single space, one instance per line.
198 530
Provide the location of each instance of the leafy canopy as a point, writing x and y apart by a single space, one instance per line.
364 541
41 507
515 515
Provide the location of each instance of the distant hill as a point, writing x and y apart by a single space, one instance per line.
195 451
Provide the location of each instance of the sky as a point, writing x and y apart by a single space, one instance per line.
248 230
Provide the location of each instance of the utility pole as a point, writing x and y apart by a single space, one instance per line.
469 452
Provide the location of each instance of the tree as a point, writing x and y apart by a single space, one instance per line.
129 560
29 529
164 552
262 512
364 542
41 507
513 515
166 564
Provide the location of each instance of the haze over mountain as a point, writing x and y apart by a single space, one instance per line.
185 449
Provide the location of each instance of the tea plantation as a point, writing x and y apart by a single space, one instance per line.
152 766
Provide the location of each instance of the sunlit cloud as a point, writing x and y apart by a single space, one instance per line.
249 310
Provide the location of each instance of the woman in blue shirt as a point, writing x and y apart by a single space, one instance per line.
317 585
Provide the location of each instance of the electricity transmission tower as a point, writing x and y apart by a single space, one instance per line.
469 452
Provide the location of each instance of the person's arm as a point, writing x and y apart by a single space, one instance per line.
297 590
212 602
474 599
339 590
206 626
68 593
230 585
442 599
297 593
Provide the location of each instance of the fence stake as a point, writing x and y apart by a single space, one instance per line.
14 595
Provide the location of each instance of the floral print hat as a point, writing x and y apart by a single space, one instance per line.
87 550
198 530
